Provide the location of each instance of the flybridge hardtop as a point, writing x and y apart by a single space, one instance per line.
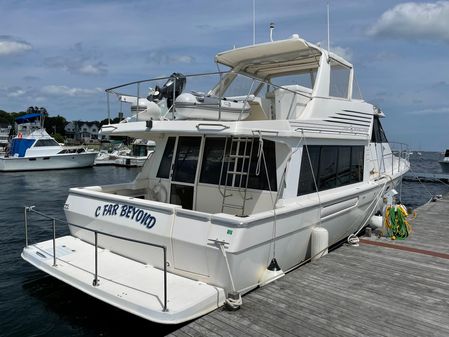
255 170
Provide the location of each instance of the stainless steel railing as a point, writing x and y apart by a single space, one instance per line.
133 89
95 281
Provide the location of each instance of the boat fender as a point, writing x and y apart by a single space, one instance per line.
320 243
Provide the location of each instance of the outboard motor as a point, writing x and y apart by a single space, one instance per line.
175 83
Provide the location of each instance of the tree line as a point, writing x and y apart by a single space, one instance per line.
53 125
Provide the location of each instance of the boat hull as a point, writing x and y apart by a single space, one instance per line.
192 237
53 162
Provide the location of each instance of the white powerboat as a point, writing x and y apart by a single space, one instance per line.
141 150
444 163
234 195
34 149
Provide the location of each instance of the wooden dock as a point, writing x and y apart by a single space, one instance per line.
381 288
427 177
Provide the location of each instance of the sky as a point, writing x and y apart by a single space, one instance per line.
62 54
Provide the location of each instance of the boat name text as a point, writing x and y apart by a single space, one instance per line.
127 211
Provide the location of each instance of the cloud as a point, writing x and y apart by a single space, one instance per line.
162 57
414 20
11 46
346 53
15 92
432 111
62 90
78 61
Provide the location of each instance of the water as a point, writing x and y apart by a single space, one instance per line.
33 304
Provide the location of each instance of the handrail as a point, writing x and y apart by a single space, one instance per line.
136 94
95 281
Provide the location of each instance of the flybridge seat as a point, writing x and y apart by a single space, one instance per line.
196 105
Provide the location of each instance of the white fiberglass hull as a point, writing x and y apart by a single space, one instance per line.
191 237
52 162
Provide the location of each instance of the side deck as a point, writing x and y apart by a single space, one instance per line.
381 288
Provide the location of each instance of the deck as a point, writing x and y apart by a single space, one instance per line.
370 290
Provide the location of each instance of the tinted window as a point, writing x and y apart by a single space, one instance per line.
344 165
184 169
332 166
357 155
260 181
328 168
309 169
46 142
212 160
164 167
378 134
181 195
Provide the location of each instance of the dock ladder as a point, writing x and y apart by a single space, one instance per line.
236 167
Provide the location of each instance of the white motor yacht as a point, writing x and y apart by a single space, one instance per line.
141 150
34 149
278 161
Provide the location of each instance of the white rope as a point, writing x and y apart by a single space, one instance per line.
233 303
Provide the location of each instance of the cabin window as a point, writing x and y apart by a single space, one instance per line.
339 80
378 135
212 165
46 142
260 181
164 167
332 166
304 79
184 168
181 195
212 160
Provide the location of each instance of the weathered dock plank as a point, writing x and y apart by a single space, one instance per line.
353 291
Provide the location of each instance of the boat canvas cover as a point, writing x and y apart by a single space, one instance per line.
272 58
20 145
27 118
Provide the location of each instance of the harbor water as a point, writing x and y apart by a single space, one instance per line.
34 304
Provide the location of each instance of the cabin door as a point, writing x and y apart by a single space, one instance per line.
184 171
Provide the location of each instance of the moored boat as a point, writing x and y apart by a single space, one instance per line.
444 163
34 149
234 194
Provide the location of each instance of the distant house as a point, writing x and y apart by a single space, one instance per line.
82 131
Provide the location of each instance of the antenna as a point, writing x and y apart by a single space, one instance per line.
328 31
271 31
254 21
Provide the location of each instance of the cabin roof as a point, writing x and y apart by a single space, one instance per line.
272 59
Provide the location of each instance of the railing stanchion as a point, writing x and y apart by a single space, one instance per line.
137 103
174 98
165 279
26 226
95 282
54 243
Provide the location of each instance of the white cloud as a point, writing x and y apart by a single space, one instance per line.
92 69
10 46
428 111
346 53
62 90
78 61
163 57
414 20
16 93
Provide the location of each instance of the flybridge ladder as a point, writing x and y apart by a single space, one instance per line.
237 162
143 290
